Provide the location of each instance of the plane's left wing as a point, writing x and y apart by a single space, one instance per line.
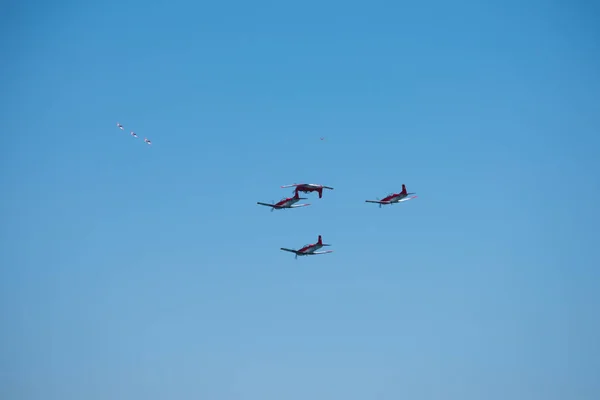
267 204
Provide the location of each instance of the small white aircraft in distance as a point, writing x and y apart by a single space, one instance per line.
310 249
120 126
308 187
394 198
289 202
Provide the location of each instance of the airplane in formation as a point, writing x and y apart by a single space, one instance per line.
310 249
394 198
289 202
308 187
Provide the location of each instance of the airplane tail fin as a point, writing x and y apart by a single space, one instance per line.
320 191
404 189
320 241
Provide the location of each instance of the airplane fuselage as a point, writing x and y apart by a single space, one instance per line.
287 202
395 198
309 249
309 186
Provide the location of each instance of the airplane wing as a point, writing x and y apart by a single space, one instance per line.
290 250
299 205
266 204
289 186
322 252
407 199
377 202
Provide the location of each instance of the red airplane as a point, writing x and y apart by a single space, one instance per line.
308 187
394 198
286 203
310 249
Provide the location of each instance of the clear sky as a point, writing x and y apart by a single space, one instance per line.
148 272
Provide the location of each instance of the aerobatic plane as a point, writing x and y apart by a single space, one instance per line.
120 126
132 133
310 249
308 187
394 198
289 202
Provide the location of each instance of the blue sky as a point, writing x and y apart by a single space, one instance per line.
137 272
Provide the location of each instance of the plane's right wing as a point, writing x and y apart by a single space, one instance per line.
407 199
377 202
322 252
290 250
299 205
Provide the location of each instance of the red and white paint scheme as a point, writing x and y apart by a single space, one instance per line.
394 198
308 187
310 249
289 202
120 126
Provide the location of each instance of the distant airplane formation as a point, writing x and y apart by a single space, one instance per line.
132 133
